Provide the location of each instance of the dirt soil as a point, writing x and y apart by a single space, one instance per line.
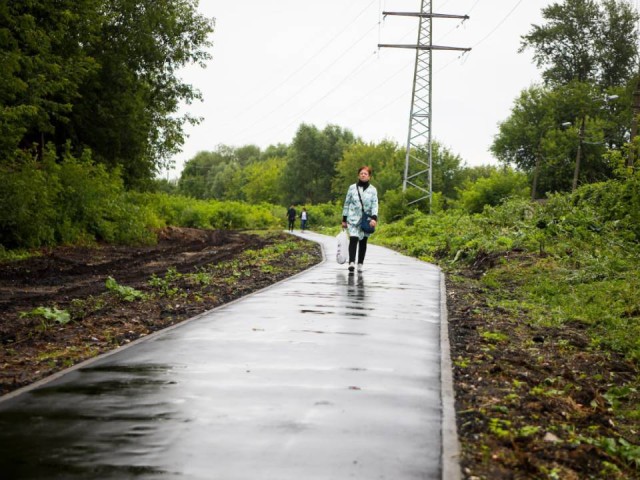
531 402
526 398
73 279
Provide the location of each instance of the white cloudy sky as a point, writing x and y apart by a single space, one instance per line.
278 63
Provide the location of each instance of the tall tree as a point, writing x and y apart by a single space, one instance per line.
128 116
263 181
205 175
521 138
44 63
586 40
448 170
542 135
385 158
101 74
312 162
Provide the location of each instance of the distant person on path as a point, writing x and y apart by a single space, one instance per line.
359 194
291 217
303 219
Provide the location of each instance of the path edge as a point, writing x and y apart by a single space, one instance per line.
89 361
450 444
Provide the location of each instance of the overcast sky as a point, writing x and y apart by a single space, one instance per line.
279 63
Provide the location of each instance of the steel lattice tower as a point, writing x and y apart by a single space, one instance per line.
417 169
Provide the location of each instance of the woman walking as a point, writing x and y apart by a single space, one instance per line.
361 199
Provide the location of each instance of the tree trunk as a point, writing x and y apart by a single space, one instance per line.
635 111
536 173
576 171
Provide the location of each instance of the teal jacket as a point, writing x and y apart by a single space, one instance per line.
352 210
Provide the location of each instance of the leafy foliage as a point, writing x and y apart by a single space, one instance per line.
100 74
586 40
491 191
128 294
542 135
49 315
583 253
76 200
311 164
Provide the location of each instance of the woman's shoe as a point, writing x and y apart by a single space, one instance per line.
360 267
352 266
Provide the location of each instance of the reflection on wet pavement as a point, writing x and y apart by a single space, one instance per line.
325 376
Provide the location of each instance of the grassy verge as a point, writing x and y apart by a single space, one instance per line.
544 306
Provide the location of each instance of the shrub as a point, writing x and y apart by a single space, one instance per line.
28 195
493 190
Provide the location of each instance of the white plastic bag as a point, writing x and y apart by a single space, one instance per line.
342 247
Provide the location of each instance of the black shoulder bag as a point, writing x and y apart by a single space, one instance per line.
364 221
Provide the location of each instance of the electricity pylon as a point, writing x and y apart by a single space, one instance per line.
420 118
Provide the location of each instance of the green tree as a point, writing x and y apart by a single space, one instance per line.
45 60
275 151
312 162
128 113
448 171
247 154
263 181
165 185
542 135
102 74
586 41
221 174
194 177
521 138
385 159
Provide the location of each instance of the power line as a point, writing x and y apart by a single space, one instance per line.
384 82
331 91
311 58
306 85
499 23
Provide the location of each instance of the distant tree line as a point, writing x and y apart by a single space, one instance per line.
317 167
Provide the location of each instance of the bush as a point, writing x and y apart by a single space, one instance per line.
398 204
327 214
73 201
28 195
493 190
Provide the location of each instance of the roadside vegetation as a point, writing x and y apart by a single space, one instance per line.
56 312
541 252
544 305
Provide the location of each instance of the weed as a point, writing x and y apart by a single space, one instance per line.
461 362
201 278
615 394
500 428
496 337
49 316
620 448
166 284
128 294
527 431
512 397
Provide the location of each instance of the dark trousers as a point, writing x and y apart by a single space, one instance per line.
360 246
292 221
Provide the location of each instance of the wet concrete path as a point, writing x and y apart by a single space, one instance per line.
324 376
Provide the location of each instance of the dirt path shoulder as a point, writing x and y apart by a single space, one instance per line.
57 310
